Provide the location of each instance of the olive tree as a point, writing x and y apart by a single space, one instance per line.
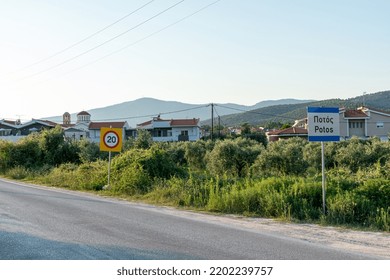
233 156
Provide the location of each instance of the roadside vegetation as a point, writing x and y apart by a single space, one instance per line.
236 175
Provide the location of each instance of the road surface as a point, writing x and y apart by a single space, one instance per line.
48 223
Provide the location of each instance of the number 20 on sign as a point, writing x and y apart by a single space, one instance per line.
110 139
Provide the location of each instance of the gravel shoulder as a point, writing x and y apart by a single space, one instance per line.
376 244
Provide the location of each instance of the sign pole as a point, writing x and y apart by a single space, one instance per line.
110 141
323 126
323 177
109 169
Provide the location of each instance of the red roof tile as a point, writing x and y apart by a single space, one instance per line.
145 123
355 114
173 122
185 122
289 131
99 125
83 113
49 122
11 122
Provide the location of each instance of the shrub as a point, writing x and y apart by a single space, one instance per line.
18 173
131 180
282 158
233 156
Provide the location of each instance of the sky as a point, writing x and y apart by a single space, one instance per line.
72 55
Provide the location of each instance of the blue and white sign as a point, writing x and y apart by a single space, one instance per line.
323 124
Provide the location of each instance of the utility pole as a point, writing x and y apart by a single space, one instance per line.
219 126
212 120
364 99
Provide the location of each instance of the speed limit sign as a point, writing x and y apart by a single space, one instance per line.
110 139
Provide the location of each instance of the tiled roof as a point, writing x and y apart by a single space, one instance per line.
355 114
49 122
145 123
83 113
99 125
376 110
289 131
185 122
9 122
173 122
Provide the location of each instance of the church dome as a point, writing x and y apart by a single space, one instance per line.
84 116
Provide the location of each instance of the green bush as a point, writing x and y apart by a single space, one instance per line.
131 180
87 176
234 157
282 158
157 163
18 173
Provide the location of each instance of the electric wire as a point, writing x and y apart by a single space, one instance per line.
136 42
256 113
219 116
102 44
81 41
153 115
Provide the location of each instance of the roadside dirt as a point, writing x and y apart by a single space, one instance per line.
376 244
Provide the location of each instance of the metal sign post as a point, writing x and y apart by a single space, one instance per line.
323 126
323 177
110 141
109 169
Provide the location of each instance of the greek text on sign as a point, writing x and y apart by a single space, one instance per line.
110 139
323 123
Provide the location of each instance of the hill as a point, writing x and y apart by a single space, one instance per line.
144 109
288 113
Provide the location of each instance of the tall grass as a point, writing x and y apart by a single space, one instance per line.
86 176
362 203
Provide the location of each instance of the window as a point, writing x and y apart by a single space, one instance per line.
184 132
161 133
5 132
379 125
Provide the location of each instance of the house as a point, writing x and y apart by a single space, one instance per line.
35 126
364 123
14 130
172 130
94 129
8 128
79 130
275 135
84 128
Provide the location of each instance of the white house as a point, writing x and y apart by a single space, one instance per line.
86 129
94 129
364 122
172 130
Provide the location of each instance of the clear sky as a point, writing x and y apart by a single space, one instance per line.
240 51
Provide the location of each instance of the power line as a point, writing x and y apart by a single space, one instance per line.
256 113
219 117
153 115
102 44
138 41
81 41
280 116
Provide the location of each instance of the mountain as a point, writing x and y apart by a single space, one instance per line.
287 113
143 109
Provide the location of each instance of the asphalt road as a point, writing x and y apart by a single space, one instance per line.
46 223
